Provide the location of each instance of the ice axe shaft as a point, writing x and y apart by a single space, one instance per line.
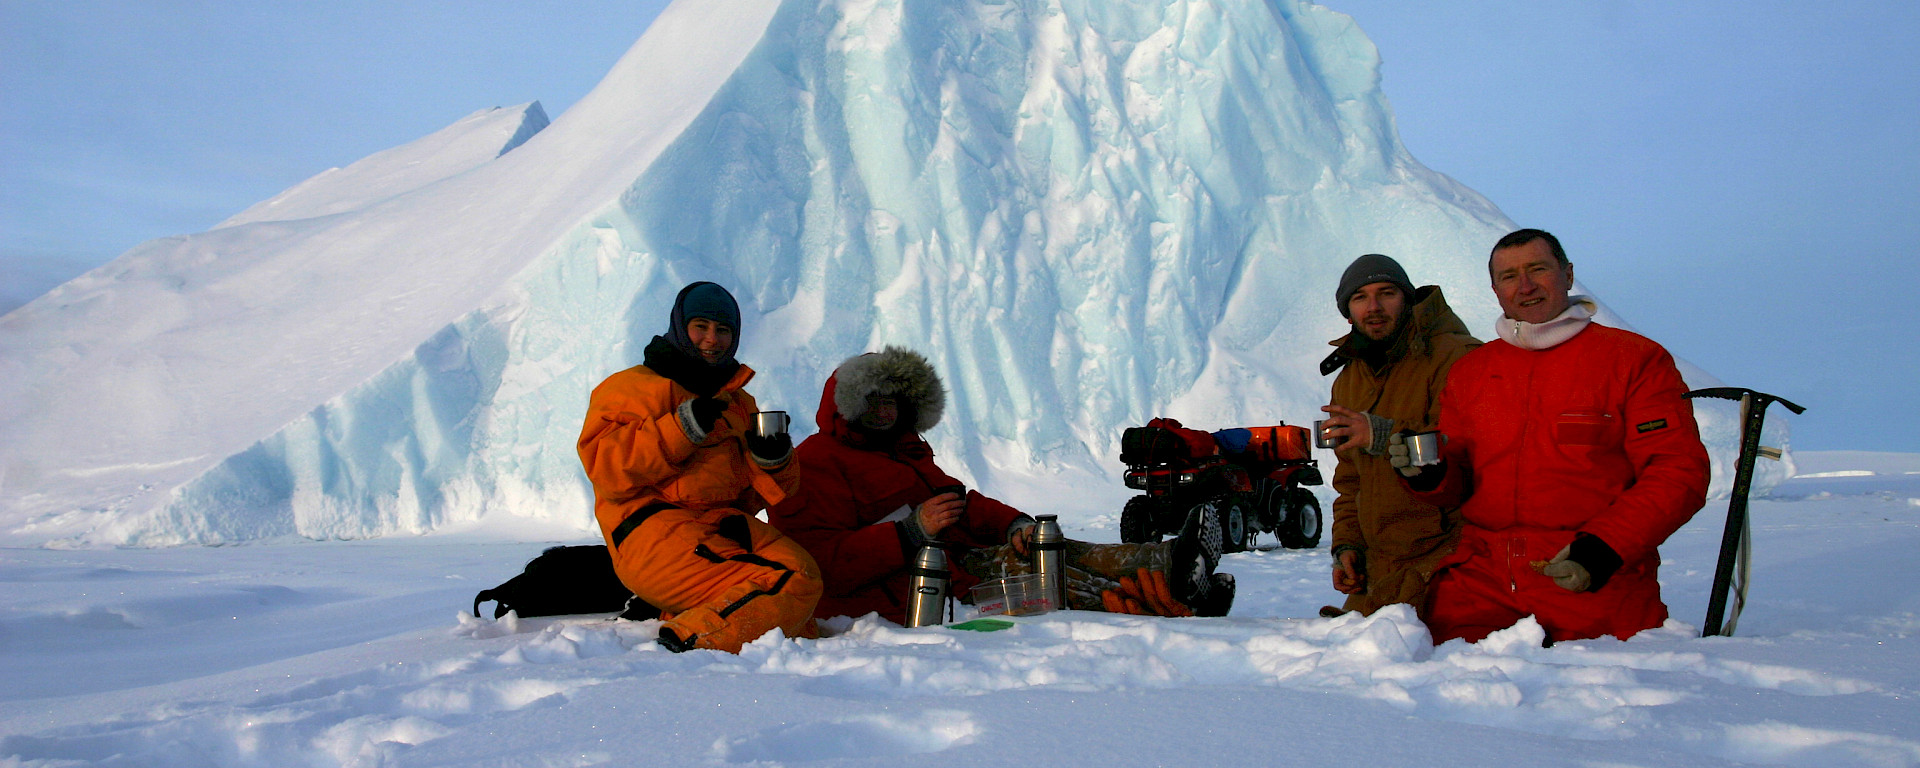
1753 414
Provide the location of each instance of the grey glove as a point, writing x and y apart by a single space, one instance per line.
1397 456
1421 479
1569 574
1583 566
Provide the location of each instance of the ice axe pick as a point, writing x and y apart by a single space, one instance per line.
1735 549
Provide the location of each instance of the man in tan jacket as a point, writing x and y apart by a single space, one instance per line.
1392 367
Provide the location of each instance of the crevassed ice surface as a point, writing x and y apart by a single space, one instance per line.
1087 214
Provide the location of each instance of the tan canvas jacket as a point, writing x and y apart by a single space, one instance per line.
1401 539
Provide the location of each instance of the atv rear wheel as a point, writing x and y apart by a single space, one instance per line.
1302 527
1136 521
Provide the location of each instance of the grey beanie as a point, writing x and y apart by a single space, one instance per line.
1367 270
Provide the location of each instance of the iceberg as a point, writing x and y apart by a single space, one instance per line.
1086 214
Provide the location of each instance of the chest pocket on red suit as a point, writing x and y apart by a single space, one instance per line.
1586 427
879 492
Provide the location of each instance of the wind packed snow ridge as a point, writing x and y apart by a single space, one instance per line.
1086 214
461 147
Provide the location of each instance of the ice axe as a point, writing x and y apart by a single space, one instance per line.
1734 544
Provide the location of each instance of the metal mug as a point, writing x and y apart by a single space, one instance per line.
769 423
1320 437
1423 450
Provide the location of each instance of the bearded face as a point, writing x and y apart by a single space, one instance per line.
1377 310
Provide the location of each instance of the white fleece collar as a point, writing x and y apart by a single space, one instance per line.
1551 333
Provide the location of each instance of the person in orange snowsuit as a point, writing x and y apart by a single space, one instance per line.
677 477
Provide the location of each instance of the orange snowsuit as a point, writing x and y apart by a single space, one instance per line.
718 575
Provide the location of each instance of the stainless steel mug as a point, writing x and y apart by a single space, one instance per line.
1423 450
927 605
769 423
1320 437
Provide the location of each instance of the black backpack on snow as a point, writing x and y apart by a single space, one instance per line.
566 580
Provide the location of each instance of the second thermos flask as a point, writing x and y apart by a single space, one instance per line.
927 605
1049 559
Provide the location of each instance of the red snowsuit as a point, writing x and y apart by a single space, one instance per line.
1591 435
849 489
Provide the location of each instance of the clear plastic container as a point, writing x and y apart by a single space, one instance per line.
1011 596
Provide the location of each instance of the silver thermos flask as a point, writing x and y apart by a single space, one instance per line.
1049 559
927 605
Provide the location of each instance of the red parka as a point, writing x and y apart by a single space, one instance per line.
1589 436
851 486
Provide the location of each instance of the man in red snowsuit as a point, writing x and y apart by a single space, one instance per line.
871 496
1572 456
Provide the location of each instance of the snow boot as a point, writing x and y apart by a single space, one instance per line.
672 641
1196 552
1218 600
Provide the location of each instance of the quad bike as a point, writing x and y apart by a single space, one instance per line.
1252 478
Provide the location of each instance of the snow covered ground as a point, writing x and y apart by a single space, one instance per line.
1091 213
361 653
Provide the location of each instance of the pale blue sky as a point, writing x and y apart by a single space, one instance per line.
1736 178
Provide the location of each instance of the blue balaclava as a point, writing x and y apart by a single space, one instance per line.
708 300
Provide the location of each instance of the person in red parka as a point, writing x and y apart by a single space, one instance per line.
1572 455
871 496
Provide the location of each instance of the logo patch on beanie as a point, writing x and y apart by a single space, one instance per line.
1650 426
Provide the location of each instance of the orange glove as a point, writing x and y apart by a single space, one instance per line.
1143 594
1133 596
1126 599
1155 583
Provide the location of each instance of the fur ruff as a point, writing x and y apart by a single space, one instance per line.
896 372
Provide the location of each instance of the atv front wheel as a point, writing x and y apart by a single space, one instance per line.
1136 521
1302 527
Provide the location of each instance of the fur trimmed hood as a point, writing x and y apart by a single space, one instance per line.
895 371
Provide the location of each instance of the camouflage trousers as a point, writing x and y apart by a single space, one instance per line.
1092 569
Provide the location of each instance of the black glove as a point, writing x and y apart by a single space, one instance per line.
706 411
770 449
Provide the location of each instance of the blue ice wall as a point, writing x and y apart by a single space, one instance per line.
1085 213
